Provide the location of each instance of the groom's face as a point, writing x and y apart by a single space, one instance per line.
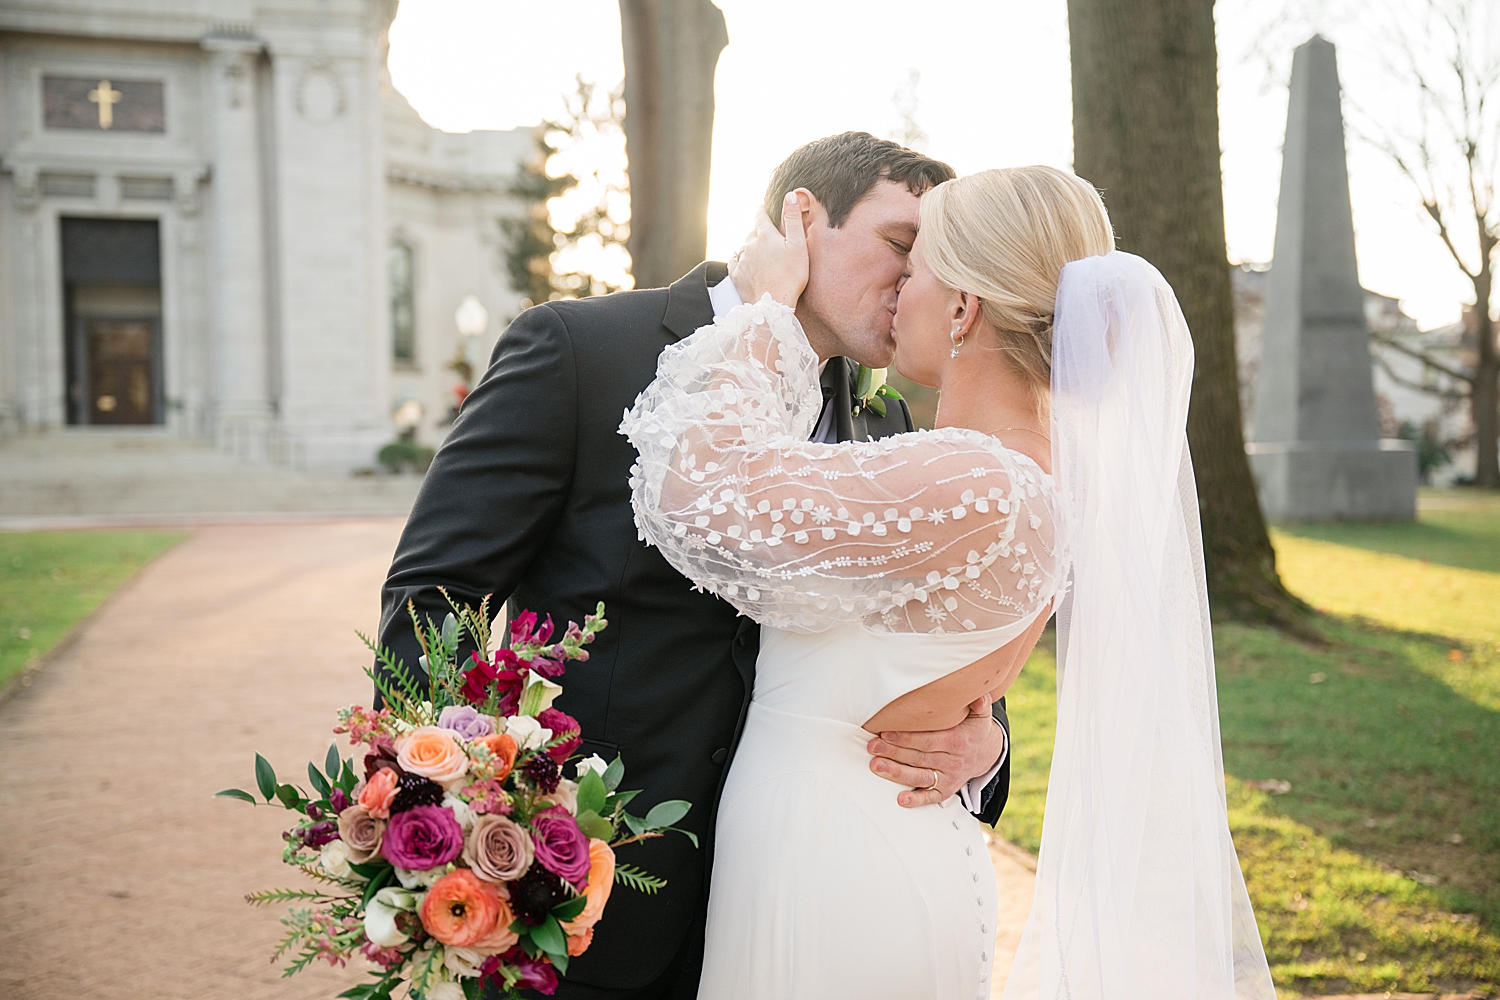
850 301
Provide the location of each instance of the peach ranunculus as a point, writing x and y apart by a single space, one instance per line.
432 753
461 909
579 943
378 792
503 749
596 892
502 938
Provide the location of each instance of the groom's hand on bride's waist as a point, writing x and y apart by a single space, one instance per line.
935 765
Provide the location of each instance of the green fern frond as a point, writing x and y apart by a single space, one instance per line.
638 880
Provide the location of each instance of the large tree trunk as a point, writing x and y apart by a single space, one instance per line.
1486 382
1146 132
671 50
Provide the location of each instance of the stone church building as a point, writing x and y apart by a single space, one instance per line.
218 219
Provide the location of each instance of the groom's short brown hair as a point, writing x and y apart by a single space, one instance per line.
841 169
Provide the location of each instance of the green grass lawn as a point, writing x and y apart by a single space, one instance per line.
1380 868
49 580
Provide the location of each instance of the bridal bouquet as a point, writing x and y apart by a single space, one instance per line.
459 852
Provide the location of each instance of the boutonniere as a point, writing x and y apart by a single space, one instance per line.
871 391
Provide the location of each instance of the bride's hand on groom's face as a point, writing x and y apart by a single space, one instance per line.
775 262
958 755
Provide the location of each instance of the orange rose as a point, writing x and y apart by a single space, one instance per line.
596 892
502 938
503 749
461 909
378 793
432 753
579 943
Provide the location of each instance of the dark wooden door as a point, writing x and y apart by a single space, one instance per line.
121 372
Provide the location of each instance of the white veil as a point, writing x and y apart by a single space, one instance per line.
1139 894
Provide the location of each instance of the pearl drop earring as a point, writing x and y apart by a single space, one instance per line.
956 345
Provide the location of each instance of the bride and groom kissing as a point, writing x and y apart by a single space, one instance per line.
816 609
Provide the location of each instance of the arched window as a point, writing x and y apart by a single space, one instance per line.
403 305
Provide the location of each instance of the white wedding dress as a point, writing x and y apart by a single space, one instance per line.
874 569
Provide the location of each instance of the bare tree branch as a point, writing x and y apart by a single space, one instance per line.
1387 340
1442 392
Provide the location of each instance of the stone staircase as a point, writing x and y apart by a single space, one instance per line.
105 476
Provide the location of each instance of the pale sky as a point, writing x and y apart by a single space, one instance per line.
993 91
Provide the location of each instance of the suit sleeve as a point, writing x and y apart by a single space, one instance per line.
997 792
496 486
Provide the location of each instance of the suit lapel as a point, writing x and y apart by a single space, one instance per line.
840 376
688 304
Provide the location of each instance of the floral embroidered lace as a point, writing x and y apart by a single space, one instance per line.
933 531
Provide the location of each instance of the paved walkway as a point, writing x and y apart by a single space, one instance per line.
121 877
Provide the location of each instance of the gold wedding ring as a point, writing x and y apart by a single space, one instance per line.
934 784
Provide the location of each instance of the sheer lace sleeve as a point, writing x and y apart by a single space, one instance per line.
943 530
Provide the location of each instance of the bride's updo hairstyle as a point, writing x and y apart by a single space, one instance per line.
1004 236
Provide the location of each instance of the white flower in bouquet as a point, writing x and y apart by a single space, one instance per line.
539 695
381 913
334 859
461 811
445 991
462 962
566 795
526 731
421 880
593 763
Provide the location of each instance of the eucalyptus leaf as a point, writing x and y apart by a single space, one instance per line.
689 834
450 632
666 813
289 796
614 774
569 909
591 792
265 777
636 824
331 762
235 793
596 826
318 781
549 937
620 799
370 869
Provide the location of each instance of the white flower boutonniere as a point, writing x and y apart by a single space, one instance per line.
871 391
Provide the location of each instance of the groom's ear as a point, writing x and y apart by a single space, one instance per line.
808 207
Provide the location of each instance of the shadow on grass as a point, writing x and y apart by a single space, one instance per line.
1454 528
1380 868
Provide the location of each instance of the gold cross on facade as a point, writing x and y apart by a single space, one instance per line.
106 97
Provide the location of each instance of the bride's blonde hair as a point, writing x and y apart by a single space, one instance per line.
1004 236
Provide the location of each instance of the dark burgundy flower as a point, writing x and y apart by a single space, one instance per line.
318 834
414 790
542 772
548 666
382 754
562 724
339 801
536 973
533 895
505 674
313 812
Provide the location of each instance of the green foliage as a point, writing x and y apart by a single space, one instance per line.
405 456
638 880
51 580
539 242
1380 868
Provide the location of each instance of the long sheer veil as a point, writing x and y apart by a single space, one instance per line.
1138 891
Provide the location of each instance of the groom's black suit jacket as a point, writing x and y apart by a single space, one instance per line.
528 499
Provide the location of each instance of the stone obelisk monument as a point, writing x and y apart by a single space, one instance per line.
1315 449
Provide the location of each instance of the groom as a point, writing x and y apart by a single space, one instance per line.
529 499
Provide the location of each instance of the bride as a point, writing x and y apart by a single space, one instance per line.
898 581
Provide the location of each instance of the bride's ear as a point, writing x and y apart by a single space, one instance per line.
964 313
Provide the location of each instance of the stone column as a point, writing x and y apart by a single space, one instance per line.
1315 448
240 344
